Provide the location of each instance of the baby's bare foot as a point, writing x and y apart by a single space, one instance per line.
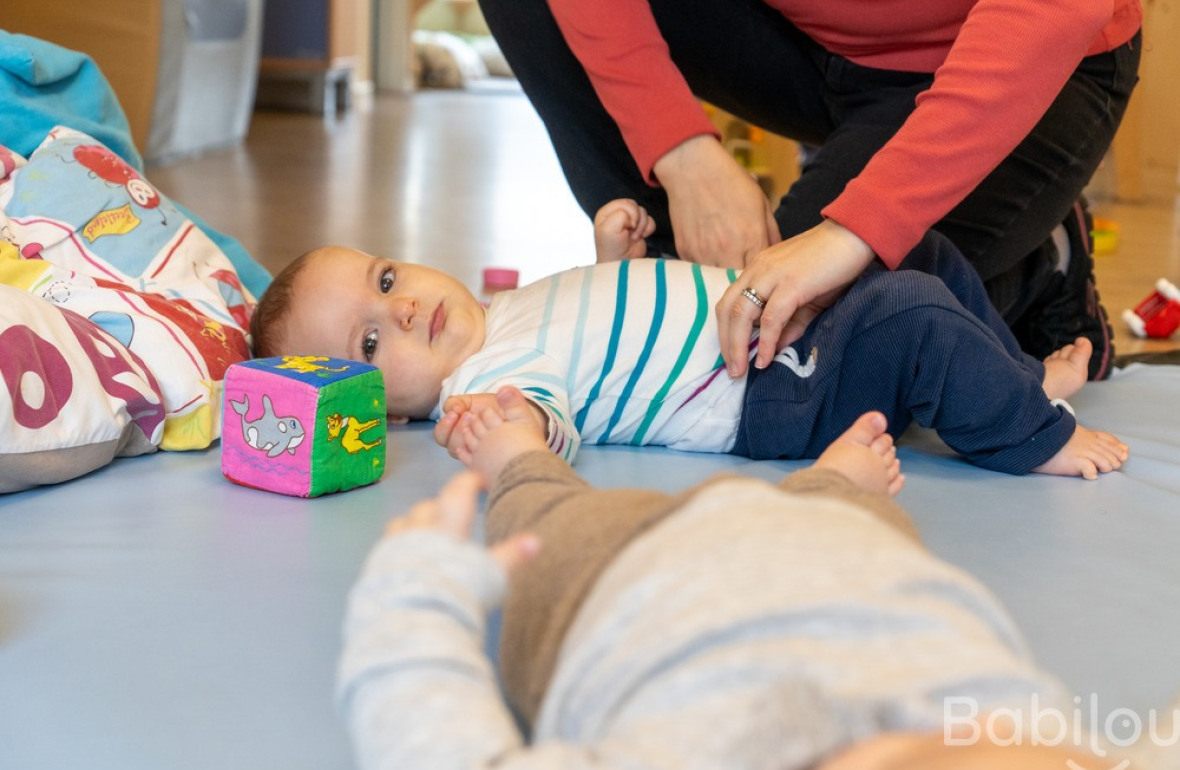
1065 369
866 456
1086 454
492 438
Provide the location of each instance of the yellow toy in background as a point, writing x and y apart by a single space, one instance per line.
1105 236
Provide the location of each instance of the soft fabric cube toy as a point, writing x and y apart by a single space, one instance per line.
303 425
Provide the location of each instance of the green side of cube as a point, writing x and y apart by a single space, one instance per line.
350 434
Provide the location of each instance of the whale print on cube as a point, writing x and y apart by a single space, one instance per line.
303 425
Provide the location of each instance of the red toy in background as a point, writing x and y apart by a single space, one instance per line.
1158 315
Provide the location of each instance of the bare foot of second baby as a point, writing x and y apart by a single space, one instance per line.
491 438
866 456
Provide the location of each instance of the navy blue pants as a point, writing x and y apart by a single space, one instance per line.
920 343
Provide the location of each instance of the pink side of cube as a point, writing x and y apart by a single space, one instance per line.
268 448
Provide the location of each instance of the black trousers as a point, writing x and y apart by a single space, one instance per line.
746 58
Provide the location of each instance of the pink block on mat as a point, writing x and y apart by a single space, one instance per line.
286 466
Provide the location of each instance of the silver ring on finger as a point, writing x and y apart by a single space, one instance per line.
752 295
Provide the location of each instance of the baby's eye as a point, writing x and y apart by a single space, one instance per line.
369 346
386 282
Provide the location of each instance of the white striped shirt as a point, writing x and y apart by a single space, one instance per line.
618 353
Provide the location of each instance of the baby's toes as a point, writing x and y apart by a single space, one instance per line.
519 413
1115 452
882 444
476 430
1116 459
1114 444
1104 461
467 431
489 420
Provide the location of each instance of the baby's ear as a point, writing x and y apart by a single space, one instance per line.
393 419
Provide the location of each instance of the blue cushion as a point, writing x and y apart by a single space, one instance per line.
43 85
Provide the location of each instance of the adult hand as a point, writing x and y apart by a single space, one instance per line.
798 279
452 513
719 214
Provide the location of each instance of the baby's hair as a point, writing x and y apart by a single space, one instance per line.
266 325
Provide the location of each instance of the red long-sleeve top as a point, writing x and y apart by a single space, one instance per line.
997 64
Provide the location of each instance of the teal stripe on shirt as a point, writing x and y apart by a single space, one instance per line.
690 342
540 393
550 302
653 332
545 378
547 399
732 275
476 385
579 328
612 347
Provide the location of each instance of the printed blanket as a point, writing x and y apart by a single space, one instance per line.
118 315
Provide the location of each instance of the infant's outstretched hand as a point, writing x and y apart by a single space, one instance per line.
453 512
619 230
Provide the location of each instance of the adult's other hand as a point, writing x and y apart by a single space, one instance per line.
797 279
719 214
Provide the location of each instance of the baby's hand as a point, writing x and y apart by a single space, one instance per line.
619 230
452 513
489 439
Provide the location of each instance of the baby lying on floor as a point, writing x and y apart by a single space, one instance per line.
628 352
736 625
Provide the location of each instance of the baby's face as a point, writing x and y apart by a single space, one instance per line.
414 323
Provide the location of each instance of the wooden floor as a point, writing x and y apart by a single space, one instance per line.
467 180
456 180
